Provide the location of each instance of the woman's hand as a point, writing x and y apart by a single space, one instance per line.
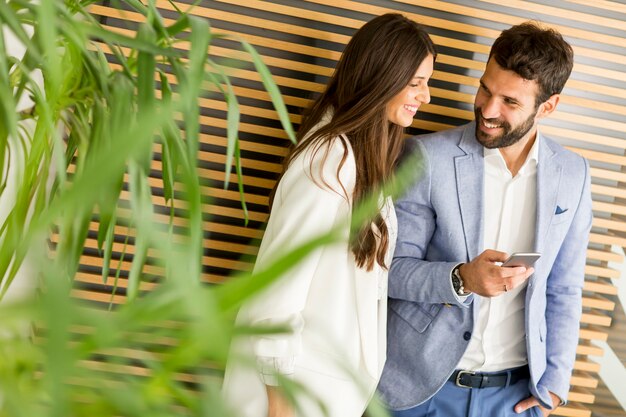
278 405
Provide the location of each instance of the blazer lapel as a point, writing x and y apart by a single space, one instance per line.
469 182
548 180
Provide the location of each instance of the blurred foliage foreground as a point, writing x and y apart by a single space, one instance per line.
73 130
76 131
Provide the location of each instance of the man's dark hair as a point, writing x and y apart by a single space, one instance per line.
535 53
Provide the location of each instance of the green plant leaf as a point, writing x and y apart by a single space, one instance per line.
112 116
272 89
232 119
233 293
16 24
169 155
178 26
242 196
135 43
146 65
107 239
8 118
141 205
200 38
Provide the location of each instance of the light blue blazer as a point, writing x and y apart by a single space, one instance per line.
440 223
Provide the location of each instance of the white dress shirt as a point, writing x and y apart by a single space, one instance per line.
510 211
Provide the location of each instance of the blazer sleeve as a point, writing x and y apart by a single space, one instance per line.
564 298
313 197
412 277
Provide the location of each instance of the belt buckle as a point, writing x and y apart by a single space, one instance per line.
457 380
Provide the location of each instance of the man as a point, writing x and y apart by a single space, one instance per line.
467 336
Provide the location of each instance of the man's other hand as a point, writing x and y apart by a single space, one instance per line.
529 402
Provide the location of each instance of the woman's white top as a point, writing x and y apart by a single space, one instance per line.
337 312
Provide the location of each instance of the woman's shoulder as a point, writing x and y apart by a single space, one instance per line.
329 163
331 151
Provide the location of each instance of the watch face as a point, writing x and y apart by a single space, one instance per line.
456 282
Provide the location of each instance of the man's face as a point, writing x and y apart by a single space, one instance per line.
504 107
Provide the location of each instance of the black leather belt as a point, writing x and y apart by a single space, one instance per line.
470 379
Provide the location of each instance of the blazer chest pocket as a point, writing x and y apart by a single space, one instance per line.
417 315
561 215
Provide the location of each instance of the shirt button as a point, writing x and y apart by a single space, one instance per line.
467 335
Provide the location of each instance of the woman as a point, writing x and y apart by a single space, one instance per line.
335 300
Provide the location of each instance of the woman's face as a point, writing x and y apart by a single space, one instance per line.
402 108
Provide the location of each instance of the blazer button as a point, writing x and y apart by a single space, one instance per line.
467 335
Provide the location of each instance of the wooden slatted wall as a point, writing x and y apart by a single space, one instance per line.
301 41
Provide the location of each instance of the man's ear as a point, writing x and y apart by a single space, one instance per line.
547 107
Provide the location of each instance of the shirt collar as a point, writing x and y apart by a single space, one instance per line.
494 157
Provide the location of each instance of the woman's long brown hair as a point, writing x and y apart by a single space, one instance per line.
379 61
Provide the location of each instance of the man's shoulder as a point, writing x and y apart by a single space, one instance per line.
567 158
437 140
452 135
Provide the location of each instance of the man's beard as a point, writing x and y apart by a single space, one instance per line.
508 137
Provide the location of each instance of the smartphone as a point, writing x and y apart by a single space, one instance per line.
526 259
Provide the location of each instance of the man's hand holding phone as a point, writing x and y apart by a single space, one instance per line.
526 259
493 272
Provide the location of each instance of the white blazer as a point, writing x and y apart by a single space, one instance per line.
338 311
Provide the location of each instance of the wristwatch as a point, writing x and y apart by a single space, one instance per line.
457 281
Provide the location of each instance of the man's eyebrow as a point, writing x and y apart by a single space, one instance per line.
512 99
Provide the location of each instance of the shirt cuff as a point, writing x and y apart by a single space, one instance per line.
269 367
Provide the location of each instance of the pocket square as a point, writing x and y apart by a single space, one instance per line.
559 210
